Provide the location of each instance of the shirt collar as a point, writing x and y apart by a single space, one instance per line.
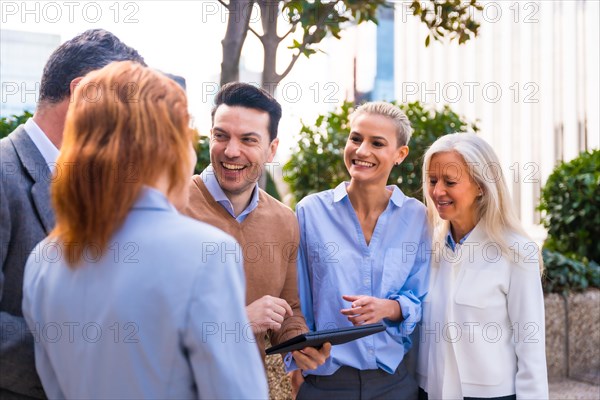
450 240
397 196
340 192
212 185
47 149
151 198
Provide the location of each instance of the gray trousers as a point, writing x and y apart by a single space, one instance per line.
353 384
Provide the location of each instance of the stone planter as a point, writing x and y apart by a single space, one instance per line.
556 336
573 336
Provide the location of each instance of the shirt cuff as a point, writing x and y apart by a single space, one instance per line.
289 363
408 309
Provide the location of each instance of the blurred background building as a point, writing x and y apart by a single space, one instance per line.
531 78
22 59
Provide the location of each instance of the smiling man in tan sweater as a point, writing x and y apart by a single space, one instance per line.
226 195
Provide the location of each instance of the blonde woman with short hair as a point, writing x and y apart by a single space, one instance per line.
363 259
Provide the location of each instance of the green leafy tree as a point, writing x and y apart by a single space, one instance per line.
314 19
317 161
308 22
9 124
451 18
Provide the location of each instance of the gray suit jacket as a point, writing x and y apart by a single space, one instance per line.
26 218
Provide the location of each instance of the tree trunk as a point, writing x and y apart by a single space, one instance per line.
269 13
238 22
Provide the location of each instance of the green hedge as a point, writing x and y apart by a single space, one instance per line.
9 124
571 207
564 274
570 203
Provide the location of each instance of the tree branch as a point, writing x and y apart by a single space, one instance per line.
223 4
305 42
289 67
255 33
290 31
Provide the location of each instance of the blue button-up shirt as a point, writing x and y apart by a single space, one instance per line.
451 243
334 260
212 185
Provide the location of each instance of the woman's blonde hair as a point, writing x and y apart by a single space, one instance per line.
403 128
495 211
126 126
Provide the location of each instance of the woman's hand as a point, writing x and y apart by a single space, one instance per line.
370 310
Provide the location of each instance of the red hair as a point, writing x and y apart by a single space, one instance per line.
127 125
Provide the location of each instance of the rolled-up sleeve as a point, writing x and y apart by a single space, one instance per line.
411 295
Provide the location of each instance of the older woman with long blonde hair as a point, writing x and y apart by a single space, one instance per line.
125 297
483 319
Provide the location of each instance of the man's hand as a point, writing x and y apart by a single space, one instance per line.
310 357
370 310
266 313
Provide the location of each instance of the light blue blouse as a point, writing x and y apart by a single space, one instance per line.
154 316
334 260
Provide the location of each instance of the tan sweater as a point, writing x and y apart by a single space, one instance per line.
269 239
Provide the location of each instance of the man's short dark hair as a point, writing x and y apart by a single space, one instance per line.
180 80
246 95
86 52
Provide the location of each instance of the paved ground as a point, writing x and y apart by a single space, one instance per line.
567 389
570 389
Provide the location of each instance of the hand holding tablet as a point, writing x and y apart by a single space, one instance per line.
318 338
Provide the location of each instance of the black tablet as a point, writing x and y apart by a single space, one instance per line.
318 338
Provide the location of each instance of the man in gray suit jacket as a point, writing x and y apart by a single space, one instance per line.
27 158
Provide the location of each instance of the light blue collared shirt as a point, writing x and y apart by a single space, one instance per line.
334 260
212 184
450 242
48 150
152 316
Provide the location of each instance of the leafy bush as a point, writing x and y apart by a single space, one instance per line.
202 154
317 159
564 274
9 124
571 204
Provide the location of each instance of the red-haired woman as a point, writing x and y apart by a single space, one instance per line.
126 302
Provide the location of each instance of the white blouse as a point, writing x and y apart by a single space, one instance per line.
483 332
